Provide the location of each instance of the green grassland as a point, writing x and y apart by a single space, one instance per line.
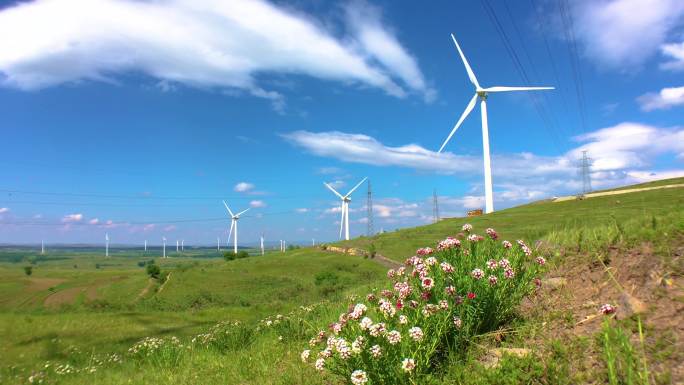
108 308
537 220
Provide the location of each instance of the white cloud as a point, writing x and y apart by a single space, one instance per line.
302 210
620 153
624 33
198 43
149 227
170 228
378 42
675 51
257 204
71 218
243 187
94 221
4 210
665 99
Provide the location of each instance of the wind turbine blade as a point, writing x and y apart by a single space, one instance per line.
465 113
228 208
232 224
242 212
505 89
333 190
342 219
355 187
471 74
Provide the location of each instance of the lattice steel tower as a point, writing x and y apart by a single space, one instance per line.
585 170
369 207
435 206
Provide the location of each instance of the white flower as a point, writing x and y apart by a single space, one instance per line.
403 320
394 337
477 273
376 351
431 261
359 377
365 323
320 364
377 329
416 333
467 227
427 283
458 322
408 364
305 355
446 267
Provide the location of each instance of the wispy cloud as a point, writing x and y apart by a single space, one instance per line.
200 43
72 218
619 152
625 33
675 54
4 210
94 221
663 100
243 187
257 204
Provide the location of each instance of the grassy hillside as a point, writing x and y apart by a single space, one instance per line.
85 337
536 220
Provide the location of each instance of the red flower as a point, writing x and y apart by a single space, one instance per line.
425 295
399 305
471 295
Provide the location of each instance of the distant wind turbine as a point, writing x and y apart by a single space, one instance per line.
262 244
106 245
482 93
42 247
145 244
164 242
218 244
344 221
233 225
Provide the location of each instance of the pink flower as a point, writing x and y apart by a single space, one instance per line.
506 244
492 280
458 322
443 304
431 261
492 264
509 273
608 309
538 283
427 283
505 263
477 274
371 297
474 238
492 234
541 261
450 290
425 295
391 273
459 300
414 303
467 228
448 243
425 251
446 267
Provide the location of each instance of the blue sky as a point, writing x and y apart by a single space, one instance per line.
136 118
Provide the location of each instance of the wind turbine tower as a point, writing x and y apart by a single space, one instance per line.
164 247
262 244
218 244
42 247
183 245
233 225
176 245
344 221
106 245
481 94
145 245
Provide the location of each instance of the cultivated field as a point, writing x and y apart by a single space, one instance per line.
77 317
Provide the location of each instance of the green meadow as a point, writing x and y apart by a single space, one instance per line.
75 318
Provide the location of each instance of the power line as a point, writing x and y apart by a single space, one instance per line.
568 29
369 214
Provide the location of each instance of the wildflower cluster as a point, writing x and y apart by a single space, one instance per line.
467 285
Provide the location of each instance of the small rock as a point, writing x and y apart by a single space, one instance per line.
554 283
631 305
493 356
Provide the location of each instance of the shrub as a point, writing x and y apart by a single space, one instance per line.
434 305
153 270
28 270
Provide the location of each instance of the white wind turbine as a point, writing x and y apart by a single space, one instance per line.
233 224
344 221
482 93
106 245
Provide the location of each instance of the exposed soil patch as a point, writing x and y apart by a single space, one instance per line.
642 284
69 296
40 284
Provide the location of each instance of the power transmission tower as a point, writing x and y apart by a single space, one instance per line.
435 206
369 207
585 170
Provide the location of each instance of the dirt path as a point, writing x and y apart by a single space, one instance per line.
145 290
617 192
